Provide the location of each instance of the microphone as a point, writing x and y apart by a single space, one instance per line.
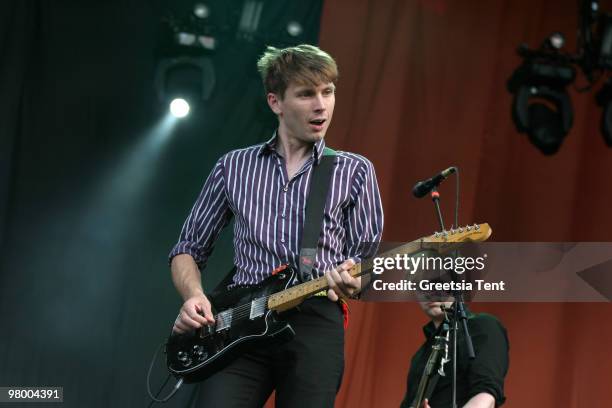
421 188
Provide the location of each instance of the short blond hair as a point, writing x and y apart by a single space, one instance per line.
303 64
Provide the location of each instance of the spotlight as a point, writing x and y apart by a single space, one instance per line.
185 38
191 79
201 10
179 108
541 106
195 41
294 28
207 42
556 40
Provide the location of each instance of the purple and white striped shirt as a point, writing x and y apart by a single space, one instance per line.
252 185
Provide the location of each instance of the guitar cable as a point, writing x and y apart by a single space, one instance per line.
155 398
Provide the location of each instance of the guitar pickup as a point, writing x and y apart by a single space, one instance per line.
258 308
224 320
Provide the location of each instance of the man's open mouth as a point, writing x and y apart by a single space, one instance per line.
317 122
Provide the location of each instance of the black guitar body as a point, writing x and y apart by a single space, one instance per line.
242 322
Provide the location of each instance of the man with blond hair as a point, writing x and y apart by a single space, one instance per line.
265 187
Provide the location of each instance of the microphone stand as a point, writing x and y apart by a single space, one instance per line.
435 197
459 309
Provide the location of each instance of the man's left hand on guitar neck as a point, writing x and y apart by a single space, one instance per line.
341 283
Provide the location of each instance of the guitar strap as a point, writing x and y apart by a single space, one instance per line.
313 221
315 206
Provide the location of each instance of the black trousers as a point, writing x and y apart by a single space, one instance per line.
305 372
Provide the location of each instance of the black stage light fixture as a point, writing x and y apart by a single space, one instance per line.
193 30
189 78
541 106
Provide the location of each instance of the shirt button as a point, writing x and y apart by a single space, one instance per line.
283 240
282 215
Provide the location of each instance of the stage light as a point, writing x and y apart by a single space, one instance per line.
541 106
185 38
179 108
190 79
209 43
201 10
294 28
556 40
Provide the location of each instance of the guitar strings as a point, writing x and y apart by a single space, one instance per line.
243 310
238 313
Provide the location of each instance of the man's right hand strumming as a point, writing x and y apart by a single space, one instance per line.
195 313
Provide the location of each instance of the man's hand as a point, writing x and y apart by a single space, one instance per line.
341 283
195 313
482 400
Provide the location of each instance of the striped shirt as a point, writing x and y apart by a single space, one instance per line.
252 185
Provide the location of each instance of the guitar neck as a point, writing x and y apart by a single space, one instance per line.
293 296
441 242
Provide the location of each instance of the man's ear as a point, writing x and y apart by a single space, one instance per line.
274 102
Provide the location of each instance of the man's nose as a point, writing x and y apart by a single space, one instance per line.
318 103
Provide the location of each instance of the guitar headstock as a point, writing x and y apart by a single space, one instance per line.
469 233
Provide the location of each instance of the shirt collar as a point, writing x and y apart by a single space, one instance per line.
270 146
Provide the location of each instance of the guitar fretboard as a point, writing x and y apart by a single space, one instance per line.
443 241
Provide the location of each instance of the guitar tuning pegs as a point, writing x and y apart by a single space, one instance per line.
476 227
469 228
460 230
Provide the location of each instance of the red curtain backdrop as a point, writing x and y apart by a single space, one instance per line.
422 87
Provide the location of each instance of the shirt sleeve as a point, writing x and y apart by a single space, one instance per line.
209 215
364 218
488 370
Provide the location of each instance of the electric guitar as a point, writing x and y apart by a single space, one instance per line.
248 317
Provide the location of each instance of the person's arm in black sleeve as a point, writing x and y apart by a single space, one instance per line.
487 371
